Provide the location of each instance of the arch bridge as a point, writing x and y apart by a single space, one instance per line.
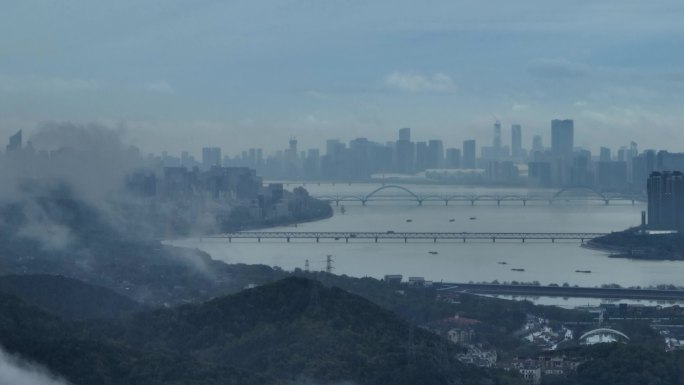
565 194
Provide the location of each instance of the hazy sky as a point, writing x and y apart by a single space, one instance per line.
180 74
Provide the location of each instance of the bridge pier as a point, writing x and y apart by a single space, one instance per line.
337 203
376 239
523 240
472 202
446 202
405 240
632 202
434 240
346 240
288 239
363 203
524 202
607 202
553 240
493 239
317 239
230 240
420 203
498 202
259 239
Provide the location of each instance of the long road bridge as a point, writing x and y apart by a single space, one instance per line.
346 236
563 291
405 194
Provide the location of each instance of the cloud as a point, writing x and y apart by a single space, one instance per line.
16 371
415 82
558 68
161 86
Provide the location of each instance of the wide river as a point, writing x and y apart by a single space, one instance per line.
542 261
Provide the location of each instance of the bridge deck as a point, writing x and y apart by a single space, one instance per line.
405 236
559 291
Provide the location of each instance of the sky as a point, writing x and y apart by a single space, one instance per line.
183 74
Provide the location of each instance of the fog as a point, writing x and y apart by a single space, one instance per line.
17 371
88 163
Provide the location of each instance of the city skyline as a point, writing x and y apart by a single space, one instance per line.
263 72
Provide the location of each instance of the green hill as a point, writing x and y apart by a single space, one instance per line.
296 328
67 297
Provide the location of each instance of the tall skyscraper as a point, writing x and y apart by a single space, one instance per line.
15 142
469 154
562 137
405 134
516 140
496 142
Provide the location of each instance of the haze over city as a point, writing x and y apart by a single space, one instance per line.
270 70
311 192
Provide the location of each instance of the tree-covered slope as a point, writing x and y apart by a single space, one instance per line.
66 297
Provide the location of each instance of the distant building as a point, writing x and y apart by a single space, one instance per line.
516 141
562 137
604 155
496 141
469 154
15 142
211 156
537 145
405 134
393 278
453 158
666 201
611 175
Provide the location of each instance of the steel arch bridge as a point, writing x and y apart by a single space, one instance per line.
565 194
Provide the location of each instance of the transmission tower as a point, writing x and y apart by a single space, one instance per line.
329 264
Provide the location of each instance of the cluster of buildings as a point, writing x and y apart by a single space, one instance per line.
533 370
562 164
200 189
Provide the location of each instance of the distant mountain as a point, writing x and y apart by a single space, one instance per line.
66 297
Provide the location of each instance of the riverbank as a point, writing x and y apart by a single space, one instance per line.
632 244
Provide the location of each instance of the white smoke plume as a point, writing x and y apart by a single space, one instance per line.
17 371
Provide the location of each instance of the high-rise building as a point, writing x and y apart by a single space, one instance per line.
405 134
15 142
405 156
453 158
516 141
496 142
211 156
562 137
604 155
666 201
435 154
469 154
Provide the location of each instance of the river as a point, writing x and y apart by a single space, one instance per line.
475 261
